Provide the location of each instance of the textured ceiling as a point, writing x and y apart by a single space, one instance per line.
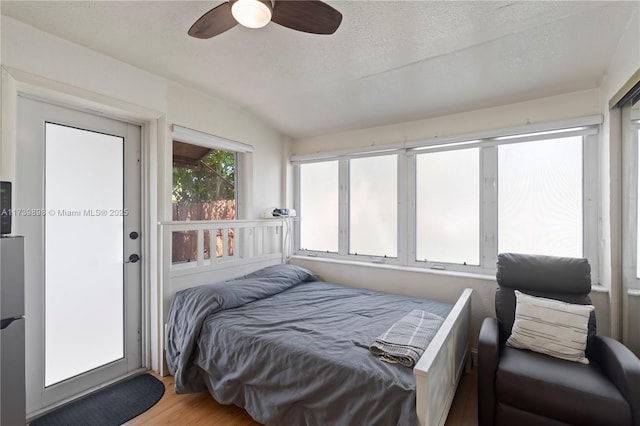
390 61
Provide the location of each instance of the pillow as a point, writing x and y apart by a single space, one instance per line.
551 327
285 272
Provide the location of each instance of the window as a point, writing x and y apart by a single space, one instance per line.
447 206
373 206
368 202
319 201
204 183
455 204
205 187
540 197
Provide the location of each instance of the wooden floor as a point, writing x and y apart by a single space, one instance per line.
201 409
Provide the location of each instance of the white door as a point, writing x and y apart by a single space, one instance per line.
77 196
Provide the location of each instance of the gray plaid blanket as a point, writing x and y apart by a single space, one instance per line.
405 341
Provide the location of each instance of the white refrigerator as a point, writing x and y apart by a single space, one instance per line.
12 342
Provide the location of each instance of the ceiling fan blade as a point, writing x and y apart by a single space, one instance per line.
309 16
214 22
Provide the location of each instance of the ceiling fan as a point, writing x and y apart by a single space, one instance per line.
310 16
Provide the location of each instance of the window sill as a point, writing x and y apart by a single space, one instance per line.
489 276
597 288
372 264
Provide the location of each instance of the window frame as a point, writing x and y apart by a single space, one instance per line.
412 242
347 228
587 127
630 118
344 213
297 197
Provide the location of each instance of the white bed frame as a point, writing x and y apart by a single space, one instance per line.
439 369
260 243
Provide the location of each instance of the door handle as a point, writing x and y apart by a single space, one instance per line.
133 258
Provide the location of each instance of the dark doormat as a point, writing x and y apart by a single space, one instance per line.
111 406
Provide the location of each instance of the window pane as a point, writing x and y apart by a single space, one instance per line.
373 206
448 206
319 206
540 197
204 188
204 183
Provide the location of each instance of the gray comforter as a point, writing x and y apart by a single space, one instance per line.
293 351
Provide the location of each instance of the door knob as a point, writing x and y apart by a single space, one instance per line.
133 258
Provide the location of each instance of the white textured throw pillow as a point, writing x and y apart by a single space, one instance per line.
551 327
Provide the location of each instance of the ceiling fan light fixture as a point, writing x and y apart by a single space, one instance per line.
252 13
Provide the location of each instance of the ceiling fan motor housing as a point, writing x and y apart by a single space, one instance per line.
252 13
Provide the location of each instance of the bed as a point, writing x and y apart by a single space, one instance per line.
293 350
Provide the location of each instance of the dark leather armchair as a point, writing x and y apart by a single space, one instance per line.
521 387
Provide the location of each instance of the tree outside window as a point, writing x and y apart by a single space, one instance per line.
204 188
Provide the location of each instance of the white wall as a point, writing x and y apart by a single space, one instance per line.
189 108
571 105
36 52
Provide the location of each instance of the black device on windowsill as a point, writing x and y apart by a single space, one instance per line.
5 208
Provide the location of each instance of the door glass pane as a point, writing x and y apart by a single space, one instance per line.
319 206
83 251
373 206
540 197
448 207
